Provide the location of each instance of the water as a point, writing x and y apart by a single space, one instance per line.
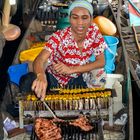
136 106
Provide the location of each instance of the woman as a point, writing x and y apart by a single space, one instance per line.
68 52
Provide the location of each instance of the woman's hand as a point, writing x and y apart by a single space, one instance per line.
39 86
61 68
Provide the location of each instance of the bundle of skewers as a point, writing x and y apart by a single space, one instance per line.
70 99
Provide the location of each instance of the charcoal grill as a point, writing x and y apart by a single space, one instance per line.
68 103
70 132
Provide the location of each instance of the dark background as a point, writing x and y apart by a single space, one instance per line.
8 54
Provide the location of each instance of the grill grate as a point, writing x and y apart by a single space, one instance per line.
70 132
74 133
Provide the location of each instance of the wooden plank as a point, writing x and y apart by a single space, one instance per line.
136 40
129 29
132 39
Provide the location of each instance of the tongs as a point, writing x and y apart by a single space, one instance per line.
52 112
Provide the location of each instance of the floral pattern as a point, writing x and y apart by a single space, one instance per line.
63 48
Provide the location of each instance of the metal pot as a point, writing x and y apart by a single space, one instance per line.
63 20
99 6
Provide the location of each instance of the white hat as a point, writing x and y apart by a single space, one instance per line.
81 3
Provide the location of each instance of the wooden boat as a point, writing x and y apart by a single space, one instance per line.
130 38
39 28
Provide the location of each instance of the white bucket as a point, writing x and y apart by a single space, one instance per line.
112 78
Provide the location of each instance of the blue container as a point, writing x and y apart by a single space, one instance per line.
109 66
110 53
16 71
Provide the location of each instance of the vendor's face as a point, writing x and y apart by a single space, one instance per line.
80 20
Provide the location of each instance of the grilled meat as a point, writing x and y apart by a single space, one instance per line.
82 122
47 130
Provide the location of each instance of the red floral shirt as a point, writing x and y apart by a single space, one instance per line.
63 48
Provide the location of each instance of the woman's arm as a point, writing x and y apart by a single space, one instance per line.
40 61
63 69
40 84
98 63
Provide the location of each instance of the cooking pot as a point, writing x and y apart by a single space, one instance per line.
99 6
63 20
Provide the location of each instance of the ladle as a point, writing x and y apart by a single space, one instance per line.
10 31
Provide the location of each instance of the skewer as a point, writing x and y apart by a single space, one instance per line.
46 105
